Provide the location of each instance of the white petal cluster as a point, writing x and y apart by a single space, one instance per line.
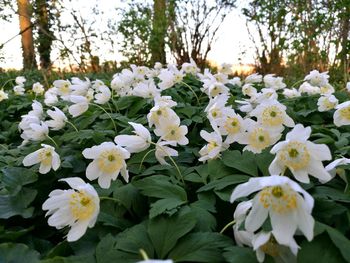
46 156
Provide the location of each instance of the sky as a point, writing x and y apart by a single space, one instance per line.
232 46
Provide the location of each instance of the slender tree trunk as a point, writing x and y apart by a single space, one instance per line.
27 34
157 41
345 36
45 36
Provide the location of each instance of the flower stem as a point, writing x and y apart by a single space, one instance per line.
299 81
110 198
194 93
227 226
52 140
98 106
71 124
143 254
6 83
144 157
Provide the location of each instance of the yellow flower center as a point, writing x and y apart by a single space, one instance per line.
280 199
211 146
172 133
272 116
345 113
159 113
271 247
215 91
110 161
45 156
216 113
82 205
232 125
295 155
259 138
328 105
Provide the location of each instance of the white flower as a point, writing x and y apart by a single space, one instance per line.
108 162
254 78
46 156
272 114
135 143
63 87
38 89
76 208
258 137
216 107
217 88
81 105
37 109
273 82
226 68
169 129
27 120
236 81
51 96
291 93
162 151
36 132
327 89
103 95
158 113
348 86
300 156
317 79
19 89
231 125
342 114
146 89
279 199
242 237
164 101
326 103
249 90
331 167
213 148
58 119
3 95
309 89
190 68
265 243
80 87
20 80
169 77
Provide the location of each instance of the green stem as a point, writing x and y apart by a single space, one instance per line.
6 83
52 140
71 124
227 226
3 147
115 127
172 160
143 254
110 198
299 81
194 93
144 157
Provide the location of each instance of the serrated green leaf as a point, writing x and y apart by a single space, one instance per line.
244 162
12 252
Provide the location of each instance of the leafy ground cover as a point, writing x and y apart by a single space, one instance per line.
167 157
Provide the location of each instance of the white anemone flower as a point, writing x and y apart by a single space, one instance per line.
103 96
37 109
341 116
46 156
36 132
326 103
272 114
162 151
242 237
217 88
19 89
3 95
38 89
300 156
236 81
169 129
81 105
164 101
231 125
254 78
20 80
309 89
63 87
332 167
282 200
214 147
51 96
135 143
226 68
58 121
108 162
158 113
317 79
249 90
291 93
77 208
258 137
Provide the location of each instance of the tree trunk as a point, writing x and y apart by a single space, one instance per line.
159 29
45 36
25 25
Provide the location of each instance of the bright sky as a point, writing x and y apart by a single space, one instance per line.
232 43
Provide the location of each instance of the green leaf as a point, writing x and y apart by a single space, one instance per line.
11 205
13 178
152 186
11 252
244 162
240 254
331 193
200 247
166 231
167 205
263 160
224 182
